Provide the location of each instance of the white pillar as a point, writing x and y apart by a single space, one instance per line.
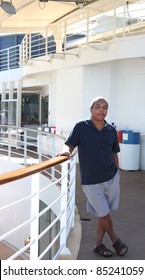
4 87
59 37
52 104
11 87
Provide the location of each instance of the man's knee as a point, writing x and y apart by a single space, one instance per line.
105 218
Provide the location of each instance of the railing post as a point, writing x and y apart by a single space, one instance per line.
72 189
46 42
9 143
25 147
29 46
20 55
53 154
23 48
34 230
8 59
63 219
65 33
39 146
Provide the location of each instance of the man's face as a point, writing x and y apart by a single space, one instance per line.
99 110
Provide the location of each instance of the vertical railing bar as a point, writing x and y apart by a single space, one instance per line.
20 55
63 207
9 144
22 49
34 229
46 42
72 189
39 145
27 47
65 34
53 154
25 147
30 43
8 59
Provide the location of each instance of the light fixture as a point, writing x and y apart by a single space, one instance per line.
79 3
8 7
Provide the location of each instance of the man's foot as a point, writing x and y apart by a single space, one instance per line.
102 250
120 247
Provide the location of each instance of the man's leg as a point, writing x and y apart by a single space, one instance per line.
100 247
100 233
105 225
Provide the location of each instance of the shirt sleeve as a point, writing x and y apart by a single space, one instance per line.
74 137
116 147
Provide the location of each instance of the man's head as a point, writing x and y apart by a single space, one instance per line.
97 99
99 108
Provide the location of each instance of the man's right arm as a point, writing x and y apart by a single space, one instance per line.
66 151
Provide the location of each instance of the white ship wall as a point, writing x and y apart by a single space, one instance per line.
115 70
122 82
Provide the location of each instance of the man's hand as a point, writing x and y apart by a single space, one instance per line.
67 151
68 154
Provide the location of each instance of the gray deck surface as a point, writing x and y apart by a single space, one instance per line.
128 220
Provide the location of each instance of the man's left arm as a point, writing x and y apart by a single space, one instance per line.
116 160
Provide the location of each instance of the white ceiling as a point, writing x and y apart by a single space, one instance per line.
33 15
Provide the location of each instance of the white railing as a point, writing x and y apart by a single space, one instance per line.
10 58
90 26
40 207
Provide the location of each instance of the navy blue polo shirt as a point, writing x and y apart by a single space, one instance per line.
96 151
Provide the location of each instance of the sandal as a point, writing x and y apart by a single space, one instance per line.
102 250
120 247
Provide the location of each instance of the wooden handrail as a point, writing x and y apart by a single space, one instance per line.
30 170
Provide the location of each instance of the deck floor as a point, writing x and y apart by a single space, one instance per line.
128 220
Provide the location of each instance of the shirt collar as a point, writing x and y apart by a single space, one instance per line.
90 123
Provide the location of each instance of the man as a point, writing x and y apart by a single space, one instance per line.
98 146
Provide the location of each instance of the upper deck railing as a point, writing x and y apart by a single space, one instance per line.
90 26
37 202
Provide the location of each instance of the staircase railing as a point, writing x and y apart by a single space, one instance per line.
53 180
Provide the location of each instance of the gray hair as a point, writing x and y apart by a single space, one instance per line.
95 99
